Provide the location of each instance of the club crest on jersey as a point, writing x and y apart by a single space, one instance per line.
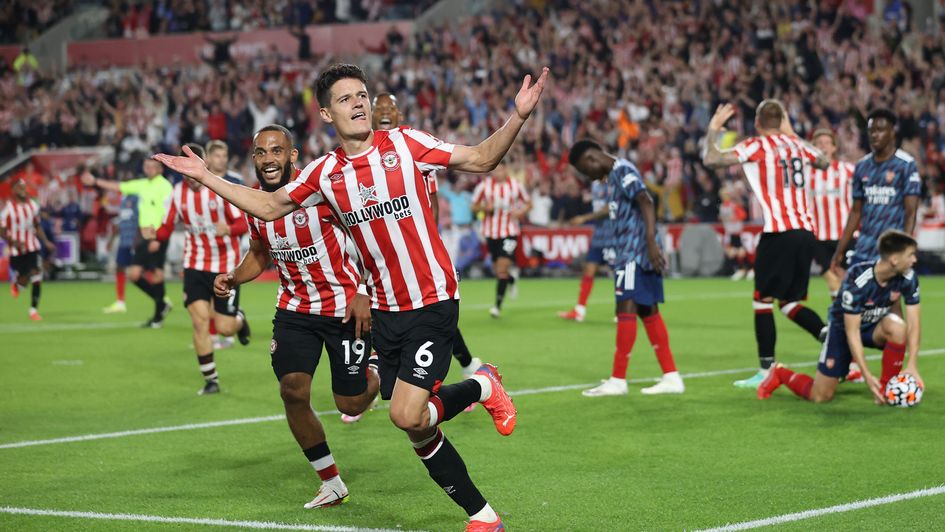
300 219
890 176
335 177
390 160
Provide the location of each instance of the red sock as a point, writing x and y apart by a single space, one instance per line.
120 285
659 339
587 282
626 335
799 383
213 327
893 354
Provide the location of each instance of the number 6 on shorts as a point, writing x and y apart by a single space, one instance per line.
424 357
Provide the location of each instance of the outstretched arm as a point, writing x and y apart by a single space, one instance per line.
712 156
264 205
485 156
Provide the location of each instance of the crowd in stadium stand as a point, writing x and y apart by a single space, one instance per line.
143 18
21 21
642 77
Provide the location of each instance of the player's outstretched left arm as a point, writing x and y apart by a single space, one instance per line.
913 335
713 156
485 156
264 205
645 202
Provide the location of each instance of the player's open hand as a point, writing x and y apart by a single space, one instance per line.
875 388
721 116
223 284
191 165
656 257
527 97
360 310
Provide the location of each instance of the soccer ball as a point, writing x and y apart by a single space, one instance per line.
903 391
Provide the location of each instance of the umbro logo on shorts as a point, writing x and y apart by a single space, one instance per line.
419 373
353 370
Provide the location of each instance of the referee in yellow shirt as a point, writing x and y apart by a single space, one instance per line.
154 194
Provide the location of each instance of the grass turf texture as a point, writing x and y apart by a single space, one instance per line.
712 456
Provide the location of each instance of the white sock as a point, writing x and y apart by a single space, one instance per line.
32 309
672 375
433 415
580 309
486 515
486 386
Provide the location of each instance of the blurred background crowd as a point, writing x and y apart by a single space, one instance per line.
642 76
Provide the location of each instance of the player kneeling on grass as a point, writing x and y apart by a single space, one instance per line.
318 283
861 317
638 267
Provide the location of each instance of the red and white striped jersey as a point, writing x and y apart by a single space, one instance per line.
18 218
504 195
317 275
201 210
776 167
831 192
381 197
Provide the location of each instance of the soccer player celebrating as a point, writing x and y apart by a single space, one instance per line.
374 184
318 279
774 162
830 190
387 116
601 250
153 192
213 228
504 202
860 318
20 227
886 189
638 267
127 235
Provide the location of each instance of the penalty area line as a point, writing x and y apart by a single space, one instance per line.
258 525
279 417
839 508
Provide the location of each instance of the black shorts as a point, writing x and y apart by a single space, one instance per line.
25 264
735 240
782 265
296 347
198 286
146 259
415 346
502 247
823 253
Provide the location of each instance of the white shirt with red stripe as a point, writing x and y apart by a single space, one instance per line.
18 218
317 275
201 210
504 196
777 167
831 192
381 197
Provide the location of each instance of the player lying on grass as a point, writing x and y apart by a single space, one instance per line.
318 283
861 317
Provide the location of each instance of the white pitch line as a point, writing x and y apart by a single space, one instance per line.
840 508
259 525
515 393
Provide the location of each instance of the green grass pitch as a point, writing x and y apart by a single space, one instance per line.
712 456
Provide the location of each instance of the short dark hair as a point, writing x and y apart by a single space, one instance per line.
884 114
770 114
333 74
280 129
196 148
579 148
893 241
